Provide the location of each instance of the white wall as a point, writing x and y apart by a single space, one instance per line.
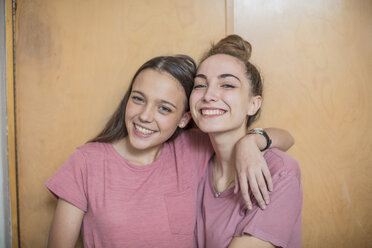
5 217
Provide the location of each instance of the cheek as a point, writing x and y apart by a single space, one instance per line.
130 110
194 98
192 104
168 124
238 103
234 100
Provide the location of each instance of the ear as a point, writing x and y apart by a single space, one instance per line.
184 120
254 105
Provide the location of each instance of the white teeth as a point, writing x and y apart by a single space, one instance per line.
212 112
143 130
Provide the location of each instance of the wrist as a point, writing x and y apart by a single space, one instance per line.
249 142
261 138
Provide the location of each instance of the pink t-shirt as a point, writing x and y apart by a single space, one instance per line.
135 206
221 218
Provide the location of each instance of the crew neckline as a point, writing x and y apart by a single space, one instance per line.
158 161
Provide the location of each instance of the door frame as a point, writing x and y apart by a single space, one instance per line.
9 193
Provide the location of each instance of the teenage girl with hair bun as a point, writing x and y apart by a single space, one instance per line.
228 85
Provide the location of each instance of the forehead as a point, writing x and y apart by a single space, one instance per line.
159 85
220 64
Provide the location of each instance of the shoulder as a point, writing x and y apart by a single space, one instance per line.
191 137
93 152
93 148
280 163
192 147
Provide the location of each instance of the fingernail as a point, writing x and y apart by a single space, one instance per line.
249 206
263 207
267 202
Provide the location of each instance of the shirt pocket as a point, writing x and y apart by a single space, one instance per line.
181 208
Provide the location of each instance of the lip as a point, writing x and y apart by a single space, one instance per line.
211 112
140 131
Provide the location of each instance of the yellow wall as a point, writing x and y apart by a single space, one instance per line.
316 59
74 60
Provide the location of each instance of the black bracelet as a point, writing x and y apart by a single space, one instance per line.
263 133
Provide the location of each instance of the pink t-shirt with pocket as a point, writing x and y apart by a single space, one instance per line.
127 205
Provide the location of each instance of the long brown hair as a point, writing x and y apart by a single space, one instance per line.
181 67
236 46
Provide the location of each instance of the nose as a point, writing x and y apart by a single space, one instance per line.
211 94
147 114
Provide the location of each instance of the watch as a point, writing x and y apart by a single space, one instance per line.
263 133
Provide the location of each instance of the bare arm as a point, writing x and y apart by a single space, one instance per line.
280 138
249 241
251 164
65 228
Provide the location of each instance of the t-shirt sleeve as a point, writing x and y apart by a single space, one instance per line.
282 217
69 182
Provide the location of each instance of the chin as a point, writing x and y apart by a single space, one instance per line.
137 145
209 129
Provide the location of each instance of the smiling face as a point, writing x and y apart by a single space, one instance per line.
221 100
155 108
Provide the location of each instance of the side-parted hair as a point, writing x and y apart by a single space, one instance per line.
180 67
236 46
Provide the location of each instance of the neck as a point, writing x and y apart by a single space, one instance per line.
224 160
137 156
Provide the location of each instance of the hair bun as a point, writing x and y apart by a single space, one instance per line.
232 45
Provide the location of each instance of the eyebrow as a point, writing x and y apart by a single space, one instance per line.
166 102
162 101
200 76
225 75
228 75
